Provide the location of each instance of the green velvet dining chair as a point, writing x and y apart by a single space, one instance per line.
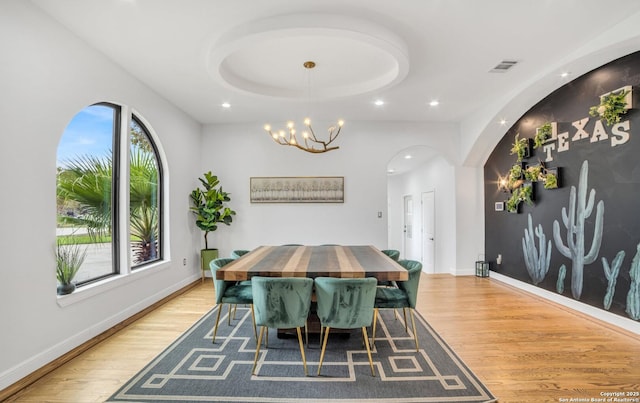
404 296
395 255
392 253
281 303
235 254
345 303
230 292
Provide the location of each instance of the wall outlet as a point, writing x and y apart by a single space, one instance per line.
184 261
499 259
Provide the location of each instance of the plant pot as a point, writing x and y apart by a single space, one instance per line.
206 256
64 289
553 171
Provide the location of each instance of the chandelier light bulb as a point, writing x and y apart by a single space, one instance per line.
290 124
340 122
267 127
307 121
305 135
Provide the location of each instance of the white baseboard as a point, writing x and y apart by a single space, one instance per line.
608 317
14 374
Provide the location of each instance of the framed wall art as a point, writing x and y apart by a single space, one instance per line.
296 189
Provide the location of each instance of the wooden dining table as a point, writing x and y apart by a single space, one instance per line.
345 261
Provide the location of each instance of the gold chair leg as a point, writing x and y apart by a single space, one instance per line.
373 335
229 314
304 359
415 334
255 360
404 312
215 327
366 338
324 346
306 334
253 320
235 308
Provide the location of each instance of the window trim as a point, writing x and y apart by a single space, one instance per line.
123 272
92 289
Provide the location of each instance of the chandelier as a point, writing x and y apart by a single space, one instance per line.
310 142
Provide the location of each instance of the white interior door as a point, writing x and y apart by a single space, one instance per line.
428 231
408 228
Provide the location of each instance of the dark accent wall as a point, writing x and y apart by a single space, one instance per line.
613 172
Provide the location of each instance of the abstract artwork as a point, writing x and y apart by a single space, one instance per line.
326 189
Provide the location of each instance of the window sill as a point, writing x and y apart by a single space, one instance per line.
90 290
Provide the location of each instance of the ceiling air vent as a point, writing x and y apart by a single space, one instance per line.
503 66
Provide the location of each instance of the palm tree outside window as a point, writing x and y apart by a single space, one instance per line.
89 162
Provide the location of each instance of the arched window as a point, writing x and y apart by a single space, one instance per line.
95 155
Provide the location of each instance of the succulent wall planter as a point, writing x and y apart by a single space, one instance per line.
516 174
544 133
613 105
523 193
534 173
521 148
512 205
551 178
519 181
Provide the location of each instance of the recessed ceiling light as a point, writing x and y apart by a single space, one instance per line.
503 122
565 74
378 102
435 102
408 157
390 170
226 105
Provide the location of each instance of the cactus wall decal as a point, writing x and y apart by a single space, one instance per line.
574 221
633 297
561 275
537 261
612 275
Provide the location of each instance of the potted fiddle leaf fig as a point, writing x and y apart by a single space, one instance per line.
69 258
210 210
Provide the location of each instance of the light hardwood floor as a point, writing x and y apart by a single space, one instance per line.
522 347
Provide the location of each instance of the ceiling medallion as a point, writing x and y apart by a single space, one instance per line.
310 142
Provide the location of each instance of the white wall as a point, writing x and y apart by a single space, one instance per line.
436 175
237 152
469 205
46 76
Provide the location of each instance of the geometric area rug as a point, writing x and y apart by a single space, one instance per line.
192 369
